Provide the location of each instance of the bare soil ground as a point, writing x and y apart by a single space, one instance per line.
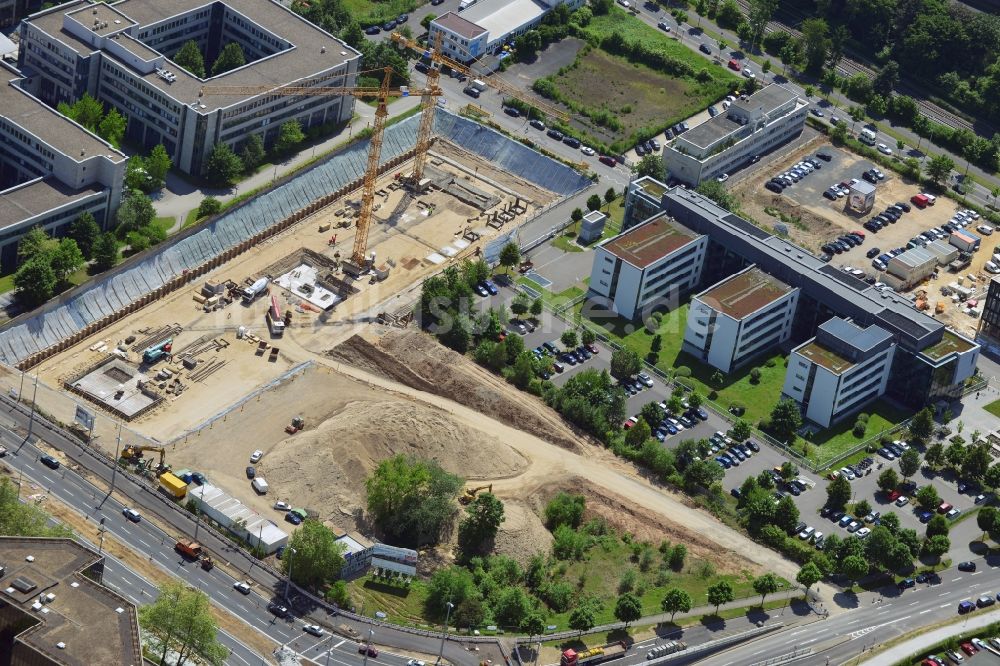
522 533
419 361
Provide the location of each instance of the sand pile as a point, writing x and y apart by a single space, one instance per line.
421 362
522 533
327 466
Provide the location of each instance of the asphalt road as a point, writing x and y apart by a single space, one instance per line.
875 620
146 539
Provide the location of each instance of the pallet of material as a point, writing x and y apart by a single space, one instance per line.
200 297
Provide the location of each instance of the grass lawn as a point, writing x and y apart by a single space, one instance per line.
993 408
368 12
403 605
566 241
164 223
554 301
190 219
6 283
835 440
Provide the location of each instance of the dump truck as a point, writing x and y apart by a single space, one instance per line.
597 655
251 293
173 485
193 550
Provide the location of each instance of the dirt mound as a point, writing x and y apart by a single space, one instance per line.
522 533
419 361
327 467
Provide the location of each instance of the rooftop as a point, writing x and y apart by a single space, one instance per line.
101 19
94 625
825 357
462 27
20 204
51 127
765 101
313 50
499 17
710 131
863 187
650 186
950 343
647 243
849 334
768 99
744 293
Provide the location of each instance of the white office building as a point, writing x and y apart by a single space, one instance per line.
51 171
749 127
739 318
483 27
122 55
839 371
646 267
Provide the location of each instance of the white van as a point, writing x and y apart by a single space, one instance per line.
867 137
260 485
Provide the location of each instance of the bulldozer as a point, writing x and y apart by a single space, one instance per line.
470 493
134 454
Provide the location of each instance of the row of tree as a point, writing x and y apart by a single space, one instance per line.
191 58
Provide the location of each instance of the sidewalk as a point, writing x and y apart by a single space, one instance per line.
180 196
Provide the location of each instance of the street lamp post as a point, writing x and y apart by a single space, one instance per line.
444 632
290 561
31 418
371 633
114 463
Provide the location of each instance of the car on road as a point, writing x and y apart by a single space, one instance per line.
734 64
512 112
862 533
748 73
555 134
131 514
884 149
490 287
256 456
371 650
607 160
966 566
277 609
705 48
816 112
313 629
538 125
966 607
242 587
662 25
980 499
722 177
588 151
415 662
49 462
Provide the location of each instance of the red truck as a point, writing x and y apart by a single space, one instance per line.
597 655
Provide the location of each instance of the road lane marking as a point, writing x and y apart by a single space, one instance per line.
957 579
340 643
944 605
800 631
926 611
975 574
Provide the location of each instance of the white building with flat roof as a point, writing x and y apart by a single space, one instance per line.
842 369
739 318
237 517
482 28
749 127
646 267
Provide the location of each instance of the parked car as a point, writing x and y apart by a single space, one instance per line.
49 462
966 566
704 48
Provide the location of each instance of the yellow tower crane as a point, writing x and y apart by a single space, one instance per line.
382 93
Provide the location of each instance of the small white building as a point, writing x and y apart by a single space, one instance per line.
591 227
944 252
839 371
739 318
646 267
232 514
912 266
861 197
749 127
483 27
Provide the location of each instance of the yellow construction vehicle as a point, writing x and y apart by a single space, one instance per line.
470 493
134 452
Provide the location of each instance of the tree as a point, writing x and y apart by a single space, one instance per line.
767 584
815 43
86 111
411 500
624 363
35 243
314 556
853 567
922 424
675 601
785 420
565 509
223 166
136 211
808 575
628 608
986 519
587 336
527 45
897 557
66 259
452 584
480 525
992 477
728 15
720 593
520 304
470 613
838 493
112 127
593 202
610 195
35 281
652 166
536 307
862 508
510 256
677 555
425 22
717 192
890 521
786 514
568 338
939 168
289 137
938 524
181 617
888 480
533 624
190 58
741 430
956 453
576 215
158 164
209 206
909 462
760 13
105 252
231 57
934 456
253 153
582 619
652 414
977 462
937 545
85 231
886 78
637 435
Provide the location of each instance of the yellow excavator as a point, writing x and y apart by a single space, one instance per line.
134 452
470 493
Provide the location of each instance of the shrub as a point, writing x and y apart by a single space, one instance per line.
682 371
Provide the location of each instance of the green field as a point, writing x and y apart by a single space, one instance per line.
993 408
835 440
368 12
